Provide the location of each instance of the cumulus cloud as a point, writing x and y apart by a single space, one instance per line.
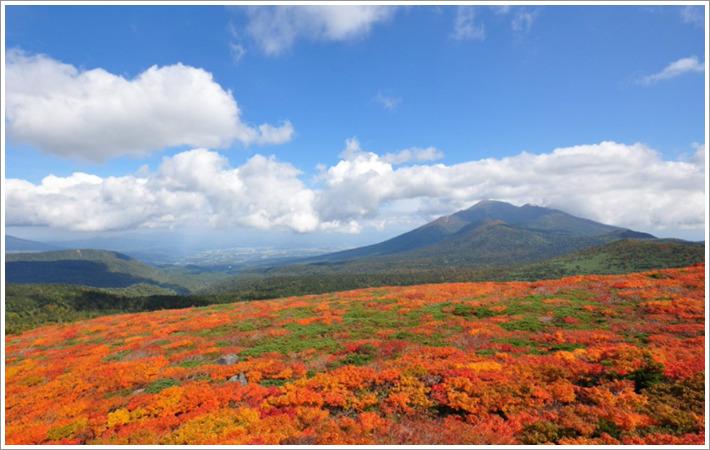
674 69
698 157
196 187
625 185
413 154
275 29
465 25
354 187
96 115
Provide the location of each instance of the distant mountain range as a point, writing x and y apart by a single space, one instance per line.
145 249
490 240
14 244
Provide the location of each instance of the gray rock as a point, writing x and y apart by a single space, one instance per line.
241 378
227 360
137 391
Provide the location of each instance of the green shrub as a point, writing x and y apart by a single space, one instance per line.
544 432
161 384
464 310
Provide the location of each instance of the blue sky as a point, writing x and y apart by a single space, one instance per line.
350 123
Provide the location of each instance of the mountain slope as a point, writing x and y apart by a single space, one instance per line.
618 257
15 244
429 234
96 268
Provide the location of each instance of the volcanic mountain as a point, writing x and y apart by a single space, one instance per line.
489 233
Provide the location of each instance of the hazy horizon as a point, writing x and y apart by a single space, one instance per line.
194 240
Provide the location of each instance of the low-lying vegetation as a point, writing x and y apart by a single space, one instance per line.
583 360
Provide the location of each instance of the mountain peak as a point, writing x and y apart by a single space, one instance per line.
483 204
489 202
497 210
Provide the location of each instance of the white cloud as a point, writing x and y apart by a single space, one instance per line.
388 101
194 187
465 26
413 154
522 21
501 9
693 14
522 18
674 69
625 185
698 157
276 28
354 187
96 115
352 149
237 51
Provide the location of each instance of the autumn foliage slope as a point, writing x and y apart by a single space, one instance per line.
582 360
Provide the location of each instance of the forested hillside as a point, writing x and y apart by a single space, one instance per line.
103 269
617 257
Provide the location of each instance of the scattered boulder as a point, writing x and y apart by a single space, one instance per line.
227 360
241 378
137 391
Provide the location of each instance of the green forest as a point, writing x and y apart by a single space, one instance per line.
32 305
